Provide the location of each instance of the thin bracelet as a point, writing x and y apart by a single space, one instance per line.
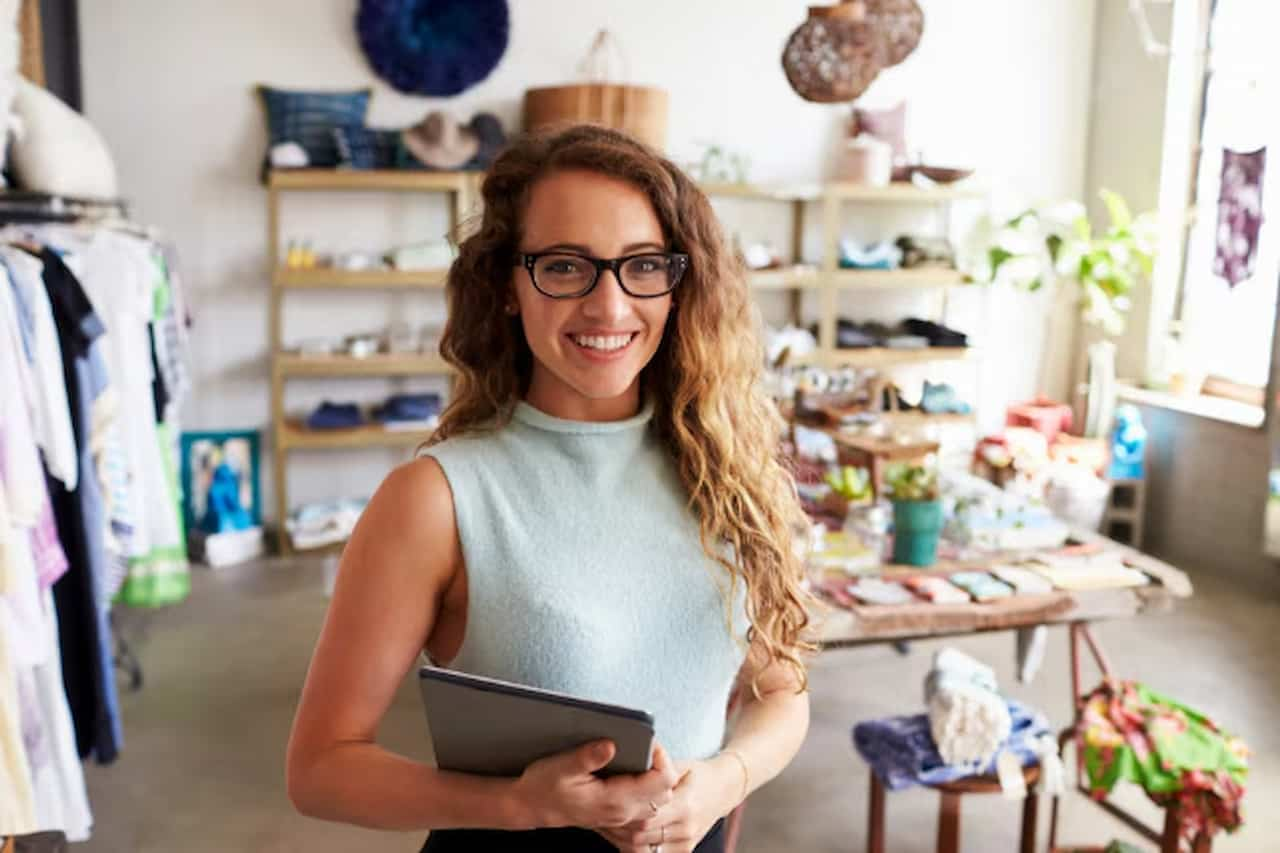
746 774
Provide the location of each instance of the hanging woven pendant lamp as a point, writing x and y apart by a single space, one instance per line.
837 53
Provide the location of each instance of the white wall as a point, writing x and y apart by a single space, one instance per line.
1126 135
1002 85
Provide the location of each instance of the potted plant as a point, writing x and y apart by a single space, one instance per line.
917 513
1056 243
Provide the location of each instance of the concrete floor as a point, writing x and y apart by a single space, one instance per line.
202 766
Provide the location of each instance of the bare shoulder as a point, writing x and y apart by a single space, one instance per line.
410 520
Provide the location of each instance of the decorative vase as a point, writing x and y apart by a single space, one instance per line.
916 528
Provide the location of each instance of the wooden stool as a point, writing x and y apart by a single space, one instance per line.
949 810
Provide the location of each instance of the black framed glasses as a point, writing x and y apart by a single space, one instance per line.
566 275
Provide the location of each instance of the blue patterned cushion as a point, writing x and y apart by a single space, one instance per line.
308 118
366 147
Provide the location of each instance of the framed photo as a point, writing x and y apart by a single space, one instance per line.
221 480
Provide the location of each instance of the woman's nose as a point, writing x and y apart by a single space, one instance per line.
607 302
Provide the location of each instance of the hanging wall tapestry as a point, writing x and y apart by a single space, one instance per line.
1239 214
433 47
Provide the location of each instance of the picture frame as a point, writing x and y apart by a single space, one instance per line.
201 454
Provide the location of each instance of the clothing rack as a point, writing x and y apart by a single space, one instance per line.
28 207
123 656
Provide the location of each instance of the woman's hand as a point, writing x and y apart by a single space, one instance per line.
563 790
706 791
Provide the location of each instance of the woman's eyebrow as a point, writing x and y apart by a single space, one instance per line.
578 248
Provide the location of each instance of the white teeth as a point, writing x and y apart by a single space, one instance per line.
607 344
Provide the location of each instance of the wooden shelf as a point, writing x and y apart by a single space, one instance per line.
901 193
325 277
799 192
883 356
915 417
295 364
786 278
370 180
908 279
295 435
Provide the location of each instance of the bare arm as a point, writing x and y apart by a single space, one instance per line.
401 558
395 571
768 731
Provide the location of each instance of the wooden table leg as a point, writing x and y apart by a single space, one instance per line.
875 817
949 823
1030 817
1172 822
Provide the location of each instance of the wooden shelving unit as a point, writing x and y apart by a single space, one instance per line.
883 357
911 279
459 188
411 364
321 278
296 436
829 280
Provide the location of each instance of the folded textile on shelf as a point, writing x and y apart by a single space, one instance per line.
902 752
968 718
335 416
408 407
875 256
422 256
324 523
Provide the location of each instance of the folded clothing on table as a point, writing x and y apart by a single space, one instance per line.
902 752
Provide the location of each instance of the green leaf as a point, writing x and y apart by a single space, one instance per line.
998 256
1055 245
1035 285
1116 209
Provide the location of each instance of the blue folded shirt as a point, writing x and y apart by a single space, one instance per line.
902 753
408 407
335 416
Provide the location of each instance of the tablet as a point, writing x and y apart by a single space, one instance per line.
496 728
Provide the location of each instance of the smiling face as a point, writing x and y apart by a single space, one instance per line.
588 352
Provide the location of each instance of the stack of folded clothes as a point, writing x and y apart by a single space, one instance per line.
399 412
409 411
875 256
335 416
314 525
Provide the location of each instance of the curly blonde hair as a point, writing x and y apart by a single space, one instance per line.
709 413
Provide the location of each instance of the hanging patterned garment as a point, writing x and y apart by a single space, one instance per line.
1239 214
1130 732
122 279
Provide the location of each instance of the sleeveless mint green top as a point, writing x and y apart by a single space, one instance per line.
585 573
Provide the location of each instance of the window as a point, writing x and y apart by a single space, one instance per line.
1231 271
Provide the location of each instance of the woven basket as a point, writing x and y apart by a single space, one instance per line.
638 110
599 99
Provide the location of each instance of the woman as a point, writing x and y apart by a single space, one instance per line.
601 512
